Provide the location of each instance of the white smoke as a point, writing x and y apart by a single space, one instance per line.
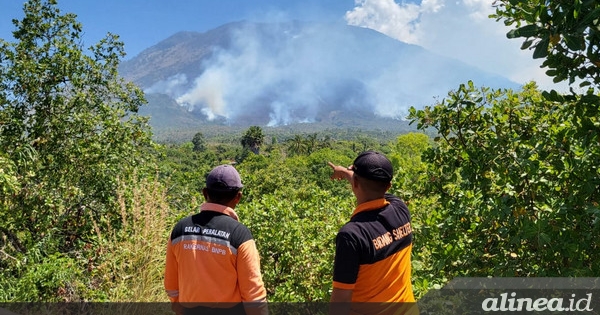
460 29
210 98
291 72
173 86
290 78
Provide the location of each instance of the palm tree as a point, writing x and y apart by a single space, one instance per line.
253 139
325 142
311 143
297 145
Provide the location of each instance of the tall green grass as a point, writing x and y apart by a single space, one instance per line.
132 257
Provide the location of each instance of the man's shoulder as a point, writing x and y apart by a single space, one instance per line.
395 204
183 222
394 200
179 228
352 228
222 219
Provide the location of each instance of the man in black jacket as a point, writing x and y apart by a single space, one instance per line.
373 250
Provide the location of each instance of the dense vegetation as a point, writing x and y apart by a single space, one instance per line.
508 186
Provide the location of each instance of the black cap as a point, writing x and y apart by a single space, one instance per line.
373 165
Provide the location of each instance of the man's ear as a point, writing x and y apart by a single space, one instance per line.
354 181
238 197
205 193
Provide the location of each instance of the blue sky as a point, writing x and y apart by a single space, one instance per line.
143 23
458 29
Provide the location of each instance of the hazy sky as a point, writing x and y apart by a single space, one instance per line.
459 29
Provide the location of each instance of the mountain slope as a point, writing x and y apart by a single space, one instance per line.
285 73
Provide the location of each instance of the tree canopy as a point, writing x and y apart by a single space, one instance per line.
253 138
565 33
69 132
516 172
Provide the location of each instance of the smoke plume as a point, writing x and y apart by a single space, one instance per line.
296 72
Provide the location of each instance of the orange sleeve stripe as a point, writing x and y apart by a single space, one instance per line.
345 286
248 266
171 280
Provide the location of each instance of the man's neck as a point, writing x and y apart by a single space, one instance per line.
363 199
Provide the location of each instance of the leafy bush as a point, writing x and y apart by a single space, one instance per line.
518 181
51 278
295 238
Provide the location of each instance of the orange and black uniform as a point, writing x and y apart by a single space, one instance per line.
212 258
373 252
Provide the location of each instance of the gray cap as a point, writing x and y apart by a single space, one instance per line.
224 178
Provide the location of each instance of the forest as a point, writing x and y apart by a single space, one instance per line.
501 183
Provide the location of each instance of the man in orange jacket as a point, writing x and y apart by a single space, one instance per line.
212 264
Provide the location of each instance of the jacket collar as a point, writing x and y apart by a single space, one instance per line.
207 206
370 205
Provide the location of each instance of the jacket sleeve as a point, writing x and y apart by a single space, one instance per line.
171 274
252 288
346 263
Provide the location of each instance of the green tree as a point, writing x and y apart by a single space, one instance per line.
69 126
326 142
516 172
294 211
253 139
312 143
365 143
406 159
565 33
199 142
297 145
517 179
